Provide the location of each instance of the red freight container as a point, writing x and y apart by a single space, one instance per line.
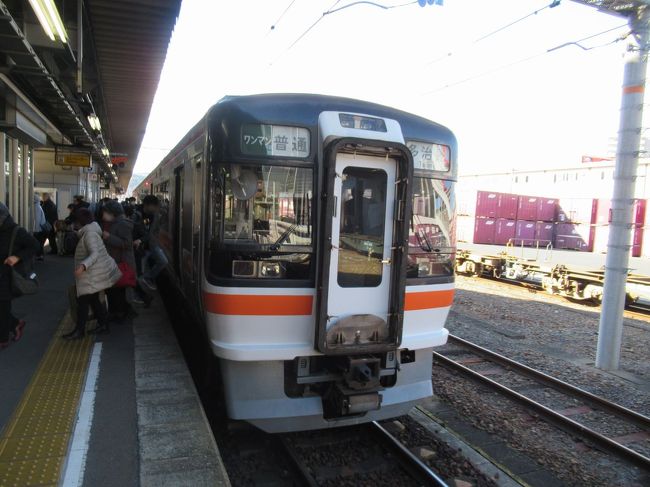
544 233
637 240
604 214
525 232
527 208
507 206
577 210
484 230
505 231
574 236
546 209
487 204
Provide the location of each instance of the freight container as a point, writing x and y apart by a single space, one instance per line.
527 208
546 209
505 231
487 203
544 233
637 240
577 210
575 236
525 233
507 206
464 228
604 213
484 230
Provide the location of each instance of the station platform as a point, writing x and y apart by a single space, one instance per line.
119 409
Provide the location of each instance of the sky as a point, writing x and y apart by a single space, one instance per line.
511 104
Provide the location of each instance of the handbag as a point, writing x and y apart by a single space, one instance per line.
128 278
21 284
46 227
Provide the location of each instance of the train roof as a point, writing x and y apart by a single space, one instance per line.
304 110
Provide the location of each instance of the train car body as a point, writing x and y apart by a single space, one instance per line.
315 236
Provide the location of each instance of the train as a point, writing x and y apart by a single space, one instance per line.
314 236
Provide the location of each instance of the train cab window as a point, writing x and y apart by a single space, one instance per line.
431 233
261 224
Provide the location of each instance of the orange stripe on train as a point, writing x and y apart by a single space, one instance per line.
255 304
428 300
278 305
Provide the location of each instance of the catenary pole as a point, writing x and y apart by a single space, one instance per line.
627 158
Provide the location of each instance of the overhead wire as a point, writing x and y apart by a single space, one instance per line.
534 56
553 4
331 10
281 16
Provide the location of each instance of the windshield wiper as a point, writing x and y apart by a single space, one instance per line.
423 238
276 245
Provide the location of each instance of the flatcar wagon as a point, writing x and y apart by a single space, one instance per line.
314 235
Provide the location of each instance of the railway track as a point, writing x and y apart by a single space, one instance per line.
384 461
495 371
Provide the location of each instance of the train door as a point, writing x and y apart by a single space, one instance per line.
197 197
187 238
178 218
361 267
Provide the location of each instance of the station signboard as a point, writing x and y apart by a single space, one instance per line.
65 157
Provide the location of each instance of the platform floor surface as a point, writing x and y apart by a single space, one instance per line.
119 409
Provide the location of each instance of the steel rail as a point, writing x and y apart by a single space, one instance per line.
411 462
629 415
301 468
561 421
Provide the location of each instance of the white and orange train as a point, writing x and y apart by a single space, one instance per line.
314 235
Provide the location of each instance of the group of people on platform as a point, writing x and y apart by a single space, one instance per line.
116 253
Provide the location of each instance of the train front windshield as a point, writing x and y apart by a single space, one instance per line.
261 222
432 232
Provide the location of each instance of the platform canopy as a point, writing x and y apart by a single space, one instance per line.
109 66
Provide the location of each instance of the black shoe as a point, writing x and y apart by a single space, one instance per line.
69 334
75 335
99 330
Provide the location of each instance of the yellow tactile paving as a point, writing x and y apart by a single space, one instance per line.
35 441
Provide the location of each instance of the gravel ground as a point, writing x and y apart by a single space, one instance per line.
557 337
554 335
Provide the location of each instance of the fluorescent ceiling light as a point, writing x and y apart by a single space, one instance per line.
50 20
40 14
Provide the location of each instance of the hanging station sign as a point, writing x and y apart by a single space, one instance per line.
71 158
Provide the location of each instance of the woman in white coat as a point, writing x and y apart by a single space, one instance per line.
95 271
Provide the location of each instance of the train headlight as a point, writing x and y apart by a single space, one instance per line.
269 270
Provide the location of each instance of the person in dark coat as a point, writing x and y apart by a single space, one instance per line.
118 238
51 215
25 246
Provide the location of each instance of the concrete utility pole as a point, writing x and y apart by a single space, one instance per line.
627 158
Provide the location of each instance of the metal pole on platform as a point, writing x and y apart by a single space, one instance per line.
627 158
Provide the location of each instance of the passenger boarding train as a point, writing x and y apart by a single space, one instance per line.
315 236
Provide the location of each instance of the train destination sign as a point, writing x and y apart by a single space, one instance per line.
72 158
433 157
274 140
